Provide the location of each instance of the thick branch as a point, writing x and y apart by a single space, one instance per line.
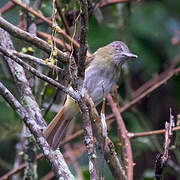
55 159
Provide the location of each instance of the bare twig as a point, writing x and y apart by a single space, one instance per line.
57 40
169 74
16 32
6 7
88 134
109 150
58 5
89 141
35 13
71 92
162 158
150 133
123 136
36 60
104 132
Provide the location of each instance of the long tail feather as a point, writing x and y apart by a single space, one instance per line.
58 125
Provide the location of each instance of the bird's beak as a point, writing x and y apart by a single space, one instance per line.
129 55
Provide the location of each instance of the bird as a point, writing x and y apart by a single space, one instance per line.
102 72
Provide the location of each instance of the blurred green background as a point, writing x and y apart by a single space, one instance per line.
151 29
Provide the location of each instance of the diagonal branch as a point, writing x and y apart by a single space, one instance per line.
35 13
16 32
124 139
71 92
109 150
55 159
36 60
168 75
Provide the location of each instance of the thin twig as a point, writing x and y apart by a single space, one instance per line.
150 133
71 92
104 130
162 158
57 40
36 60
109 150
58 5
123 136
6 7
162 81
35 13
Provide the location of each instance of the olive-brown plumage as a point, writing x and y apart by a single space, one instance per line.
103 71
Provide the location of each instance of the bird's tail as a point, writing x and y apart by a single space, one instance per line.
57 126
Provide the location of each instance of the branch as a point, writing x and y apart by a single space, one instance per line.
71 92
6 7
109 150
162 158
83 37
18 169
16 32
29 103
55 158
88 140
57 40
124 139
35 60
58 5
168 75
35 13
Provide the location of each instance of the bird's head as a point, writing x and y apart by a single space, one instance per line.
115 53
121 52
